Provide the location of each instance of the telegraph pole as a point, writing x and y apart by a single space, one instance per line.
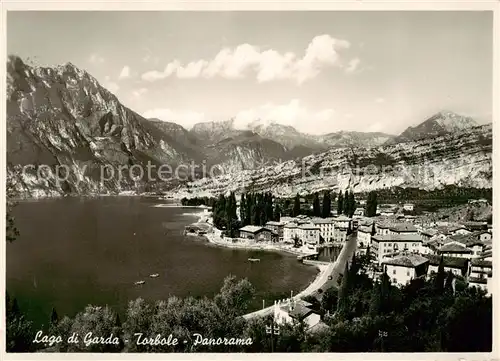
272 330
382 335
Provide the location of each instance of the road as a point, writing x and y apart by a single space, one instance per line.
334 269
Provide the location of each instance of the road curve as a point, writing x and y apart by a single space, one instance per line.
334 269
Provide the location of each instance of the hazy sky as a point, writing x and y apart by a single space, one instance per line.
318 71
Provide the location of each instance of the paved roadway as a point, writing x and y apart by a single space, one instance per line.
334 269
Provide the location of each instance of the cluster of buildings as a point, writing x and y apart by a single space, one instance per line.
306 230
405 250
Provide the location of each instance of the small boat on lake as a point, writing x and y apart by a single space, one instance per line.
254 259
139 283
154 275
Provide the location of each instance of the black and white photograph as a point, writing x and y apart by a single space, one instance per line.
249 181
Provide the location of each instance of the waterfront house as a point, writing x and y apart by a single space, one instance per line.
309 233
457 266
276 227
290 231
455 249
295 311
258 233
409 207
382 245
326 228
405 268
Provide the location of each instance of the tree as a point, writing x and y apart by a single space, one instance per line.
343 296
234 296
316 206
243 210
277 213
19 330
340 203
345 209
371 204
351 204
326 209
441 275
296 206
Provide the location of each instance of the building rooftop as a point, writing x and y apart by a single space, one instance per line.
466 239
402 227
397 238
365 229
291 225
411 260
252 229
454 248
429 232
322 220
309 226
297 309
450 262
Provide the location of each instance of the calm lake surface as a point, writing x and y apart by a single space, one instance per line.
73 252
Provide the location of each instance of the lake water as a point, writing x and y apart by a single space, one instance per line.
73 252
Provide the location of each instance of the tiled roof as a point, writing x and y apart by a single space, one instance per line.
291 225
466 239
299 309
429 232
402 227
413 260
365 229
251 229
455 248
397 238
322 220
451 262
309 227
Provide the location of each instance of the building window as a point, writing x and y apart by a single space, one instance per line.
408 272
394 272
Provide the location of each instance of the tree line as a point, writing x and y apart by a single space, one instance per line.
426 315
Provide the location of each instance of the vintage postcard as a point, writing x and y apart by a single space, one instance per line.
249 181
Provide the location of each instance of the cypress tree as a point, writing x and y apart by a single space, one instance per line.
352 204
346 203
277 213
441 275
296 206
343 299
340 203
54 318
243 209
327 205
316 207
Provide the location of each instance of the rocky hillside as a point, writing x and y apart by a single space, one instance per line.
462 158
62 117
442 123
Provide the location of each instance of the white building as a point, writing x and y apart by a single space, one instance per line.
326 228
342 223
309 233
364 235
294 311
401 270
290 231
481 268
383 245
408 207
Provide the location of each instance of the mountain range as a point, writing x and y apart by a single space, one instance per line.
62 116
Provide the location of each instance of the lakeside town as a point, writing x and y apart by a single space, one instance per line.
394 240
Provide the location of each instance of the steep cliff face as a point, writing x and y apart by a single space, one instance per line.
462 158
62 117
